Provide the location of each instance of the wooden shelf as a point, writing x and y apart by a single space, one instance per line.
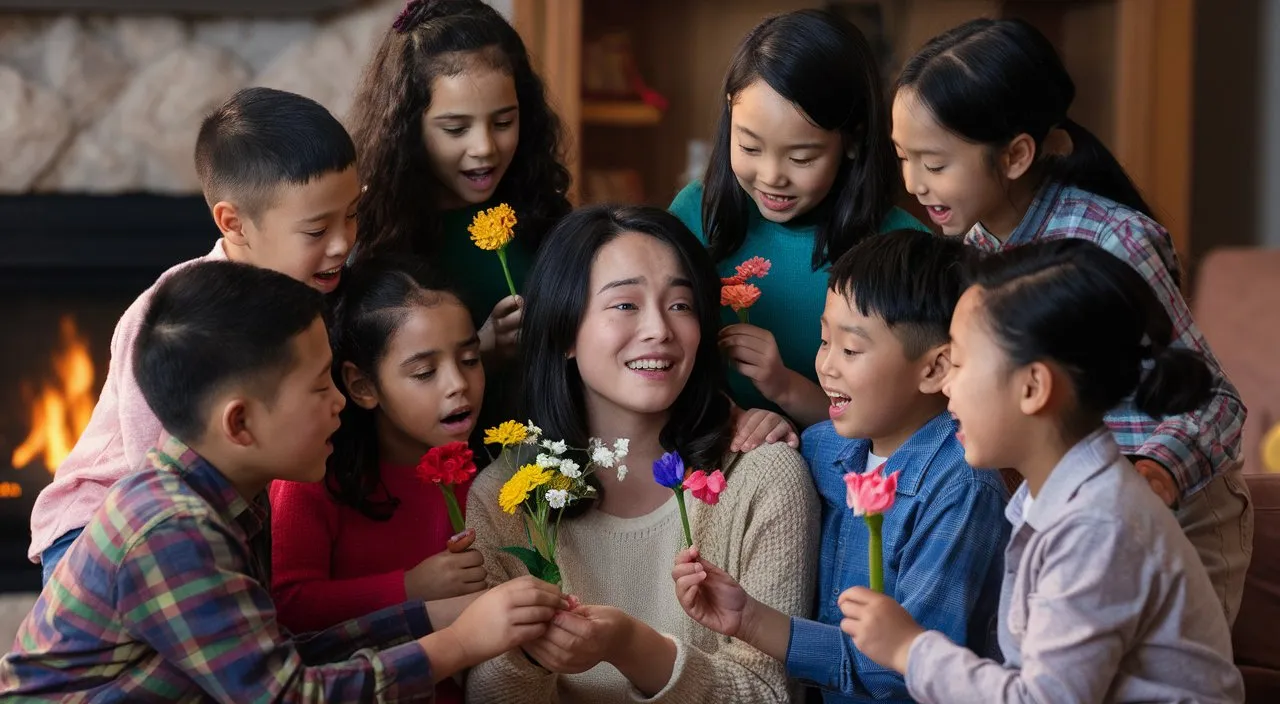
624 113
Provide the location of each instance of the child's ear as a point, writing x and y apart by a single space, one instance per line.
233 422
230 222
1018 156
1036 388
937 366
361 389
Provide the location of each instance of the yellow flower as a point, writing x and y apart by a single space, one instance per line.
493 228
559 481
507 433
517 488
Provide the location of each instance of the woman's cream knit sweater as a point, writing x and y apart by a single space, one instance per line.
764 532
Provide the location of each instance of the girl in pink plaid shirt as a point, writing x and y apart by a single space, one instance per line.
981 129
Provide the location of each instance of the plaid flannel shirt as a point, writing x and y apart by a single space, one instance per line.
1195 446
162 600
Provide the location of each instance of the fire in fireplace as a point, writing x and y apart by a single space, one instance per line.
71 266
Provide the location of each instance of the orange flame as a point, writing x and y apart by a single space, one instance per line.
60 412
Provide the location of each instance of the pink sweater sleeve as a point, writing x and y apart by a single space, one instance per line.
304 536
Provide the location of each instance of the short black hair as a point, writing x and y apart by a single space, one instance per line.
262 138
215 323
910 279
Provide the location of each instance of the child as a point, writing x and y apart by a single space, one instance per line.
987 145
802 169
373 534
882 361
278 172
165 601
452 120
1104 598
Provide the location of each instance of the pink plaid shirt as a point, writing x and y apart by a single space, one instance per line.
1195 446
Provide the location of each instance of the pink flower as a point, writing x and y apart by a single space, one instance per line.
754 268
871 492
706 487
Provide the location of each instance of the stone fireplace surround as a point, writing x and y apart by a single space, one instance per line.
111 103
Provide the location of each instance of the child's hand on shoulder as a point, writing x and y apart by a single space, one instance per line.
757 427
455 572
708 594
1159 478
755 355
500 334
506 617
879 626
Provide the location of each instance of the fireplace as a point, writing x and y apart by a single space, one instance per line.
71 265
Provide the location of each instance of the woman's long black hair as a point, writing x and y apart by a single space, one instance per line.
556 298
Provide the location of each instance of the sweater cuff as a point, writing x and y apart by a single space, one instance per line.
814 653
677 666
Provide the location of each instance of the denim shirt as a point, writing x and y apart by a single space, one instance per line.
942 545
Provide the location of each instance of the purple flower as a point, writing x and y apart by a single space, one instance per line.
668 470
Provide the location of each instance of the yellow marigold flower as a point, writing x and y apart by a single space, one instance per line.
559 481
517 488
507 433
492 229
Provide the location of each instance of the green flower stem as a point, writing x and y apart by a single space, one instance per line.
684 518
744 316
455 513
506 271
874 548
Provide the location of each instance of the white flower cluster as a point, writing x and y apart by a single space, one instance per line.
601 454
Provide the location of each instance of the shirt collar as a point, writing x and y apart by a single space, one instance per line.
911 460
176 456
1081 463
1032 224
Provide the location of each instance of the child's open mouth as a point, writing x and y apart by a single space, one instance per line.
480 179
457 422
327 280
777 203
839 402
940 214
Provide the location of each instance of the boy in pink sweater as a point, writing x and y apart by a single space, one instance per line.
278 172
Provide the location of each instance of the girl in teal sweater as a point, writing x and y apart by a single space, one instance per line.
802 169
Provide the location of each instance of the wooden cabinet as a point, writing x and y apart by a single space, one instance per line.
1131 60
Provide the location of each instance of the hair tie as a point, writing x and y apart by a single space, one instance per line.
409 16
1057 143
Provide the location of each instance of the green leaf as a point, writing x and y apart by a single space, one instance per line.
538 566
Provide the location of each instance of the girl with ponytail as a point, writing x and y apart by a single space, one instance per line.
981 130
1105 599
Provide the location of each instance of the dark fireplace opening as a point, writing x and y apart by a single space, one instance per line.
71 265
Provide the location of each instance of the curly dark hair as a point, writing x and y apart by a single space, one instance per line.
399 212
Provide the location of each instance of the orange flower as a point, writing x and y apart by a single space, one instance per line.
739 297
754 268
732 281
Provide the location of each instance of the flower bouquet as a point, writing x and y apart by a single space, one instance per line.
543 488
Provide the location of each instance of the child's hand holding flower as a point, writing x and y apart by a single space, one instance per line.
708 594
879 626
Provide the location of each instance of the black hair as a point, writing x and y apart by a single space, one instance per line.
432 38
824 65
376 296
557 294
214 324
1073 303
261 138
910 279
988 81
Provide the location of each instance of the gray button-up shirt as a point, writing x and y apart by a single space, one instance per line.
1104 600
